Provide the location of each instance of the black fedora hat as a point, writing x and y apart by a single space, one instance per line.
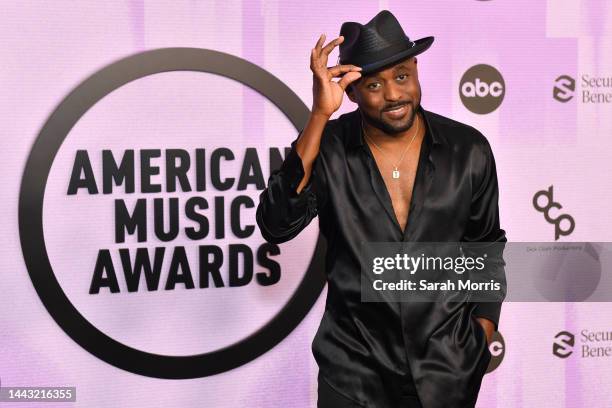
378 43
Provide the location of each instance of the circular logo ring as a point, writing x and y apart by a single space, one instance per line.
31 197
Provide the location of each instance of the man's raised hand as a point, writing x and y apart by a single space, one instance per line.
327 94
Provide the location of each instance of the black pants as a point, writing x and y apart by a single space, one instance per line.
330 398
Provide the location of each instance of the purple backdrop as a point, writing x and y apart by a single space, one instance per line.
538 140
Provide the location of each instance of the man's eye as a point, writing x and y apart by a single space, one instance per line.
403 75
372 85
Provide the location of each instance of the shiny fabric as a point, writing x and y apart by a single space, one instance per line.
328 397
372 353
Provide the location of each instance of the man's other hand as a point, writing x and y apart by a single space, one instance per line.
488 326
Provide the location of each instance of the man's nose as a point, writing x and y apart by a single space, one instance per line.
392 93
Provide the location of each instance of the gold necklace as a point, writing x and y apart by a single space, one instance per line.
396 173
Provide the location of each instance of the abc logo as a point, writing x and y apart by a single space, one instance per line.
482 89
498 350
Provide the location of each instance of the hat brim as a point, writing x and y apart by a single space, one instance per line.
420 46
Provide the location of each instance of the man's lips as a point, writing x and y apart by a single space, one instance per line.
397 112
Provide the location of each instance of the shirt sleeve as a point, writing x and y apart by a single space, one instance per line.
483 226
282 213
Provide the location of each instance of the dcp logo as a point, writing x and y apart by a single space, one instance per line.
550 203
482 89
564 88
563 344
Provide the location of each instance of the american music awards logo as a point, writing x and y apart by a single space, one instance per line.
142 247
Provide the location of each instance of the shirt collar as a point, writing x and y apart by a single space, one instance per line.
355 138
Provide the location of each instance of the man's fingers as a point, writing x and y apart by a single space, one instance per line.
317 48
329 47
318 58
348 78
321 54
342 69
315 56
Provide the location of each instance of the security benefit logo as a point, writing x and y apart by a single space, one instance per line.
137 214
482 89
563 344
564 88
594 89
586 344
544 202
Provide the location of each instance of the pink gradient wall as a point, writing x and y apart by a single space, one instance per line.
48 48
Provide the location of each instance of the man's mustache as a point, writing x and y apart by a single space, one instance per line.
396 106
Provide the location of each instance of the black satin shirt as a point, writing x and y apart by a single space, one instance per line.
375 352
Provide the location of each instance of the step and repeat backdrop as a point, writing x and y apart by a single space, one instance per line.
138 137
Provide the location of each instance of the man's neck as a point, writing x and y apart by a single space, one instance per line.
381 138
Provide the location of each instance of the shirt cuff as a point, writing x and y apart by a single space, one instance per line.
293 172
488 310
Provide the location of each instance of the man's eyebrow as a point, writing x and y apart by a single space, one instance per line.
396 68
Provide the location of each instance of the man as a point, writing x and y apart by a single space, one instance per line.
387 172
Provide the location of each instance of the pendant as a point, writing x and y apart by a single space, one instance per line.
396 173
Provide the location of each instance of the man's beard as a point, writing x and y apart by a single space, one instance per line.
389 128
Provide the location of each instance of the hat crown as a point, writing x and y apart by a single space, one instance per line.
380 32
377 43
